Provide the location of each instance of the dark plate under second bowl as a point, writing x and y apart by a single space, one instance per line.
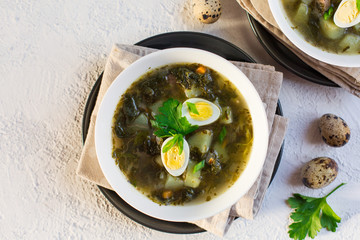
162 41
286 57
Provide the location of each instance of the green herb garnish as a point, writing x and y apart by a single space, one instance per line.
358 4
170 122
330 11
178 139
199 166
310 215
222 134
192 108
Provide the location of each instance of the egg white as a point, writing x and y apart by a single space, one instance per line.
338 20
215 112
186 150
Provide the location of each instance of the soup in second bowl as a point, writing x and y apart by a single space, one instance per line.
182 133
314 19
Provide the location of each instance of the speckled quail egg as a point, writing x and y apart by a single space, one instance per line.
347 14
174 162
334 130
319 172
207 11
207 111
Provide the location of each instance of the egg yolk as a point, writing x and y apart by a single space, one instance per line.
204 109
173 159
348 11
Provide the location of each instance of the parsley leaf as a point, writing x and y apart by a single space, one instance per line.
329 12
222 134
170 122
192 108
310 215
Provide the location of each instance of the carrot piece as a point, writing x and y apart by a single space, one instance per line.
201 70
167 194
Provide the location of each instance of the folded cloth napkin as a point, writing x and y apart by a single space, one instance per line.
268 84
345 77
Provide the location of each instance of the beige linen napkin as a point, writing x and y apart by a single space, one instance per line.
347 78
266 81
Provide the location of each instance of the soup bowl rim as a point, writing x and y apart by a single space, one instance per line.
294 36
116 178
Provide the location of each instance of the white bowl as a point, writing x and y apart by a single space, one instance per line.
118 181
299 41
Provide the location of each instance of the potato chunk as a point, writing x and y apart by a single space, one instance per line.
302 14
330 30
192 179
350 43
201 140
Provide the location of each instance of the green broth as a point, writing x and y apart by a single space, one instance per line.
136 149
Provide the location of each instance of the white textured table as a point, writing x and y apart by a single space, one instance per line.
51 53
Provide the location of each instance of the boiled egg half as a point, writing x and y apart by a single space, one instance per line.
347 14
207 111
174 162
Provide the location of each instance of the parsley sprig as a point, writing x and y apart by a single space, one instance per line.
170 123
310 215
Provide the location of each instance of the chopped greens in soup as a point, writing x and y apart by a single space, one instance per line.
182 133
332 25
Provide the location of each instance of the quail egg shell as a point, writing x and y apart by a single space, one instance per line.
208 112
174 162
207 11
347 14
334 130
319 172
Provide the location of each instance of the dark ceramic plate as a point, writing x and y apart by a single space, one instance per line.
169 40
286 57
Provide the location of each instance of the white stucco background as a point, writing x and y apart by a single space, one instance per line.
51 53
